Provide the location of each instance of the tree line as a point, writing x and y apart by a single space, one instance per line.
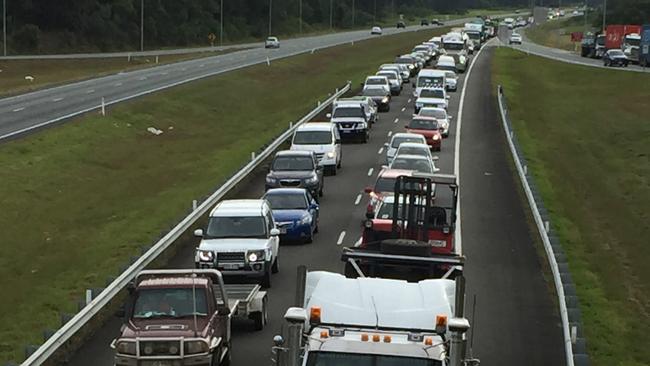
44 26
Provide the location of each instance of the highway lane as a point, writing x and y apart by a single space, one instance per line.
561 55
503 268
23 113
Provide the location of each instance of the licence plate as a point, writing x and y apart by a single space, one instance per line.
347 131
230 266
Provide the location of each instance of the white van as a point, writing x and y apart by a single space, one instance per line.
428 78
323 139
446 63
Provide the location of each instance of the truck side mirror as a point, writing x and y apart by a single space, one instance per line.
329 115
275 232
198 233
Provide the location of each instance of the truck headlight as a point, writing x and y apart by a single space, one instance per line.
331 155
125 348
312 180
256 255
411 67
206 255
194 347
384 100
436 137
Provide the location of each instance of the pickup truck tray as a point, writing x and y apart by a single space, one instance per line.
243 299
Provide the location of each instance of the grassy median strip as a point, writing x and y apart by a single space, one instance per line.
80 199
585 133
557 33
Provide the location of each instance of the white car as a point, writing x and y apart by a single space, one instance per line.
441 115
323 139
417 163
272 42
403 70
432 97
452 80
376 30
419 149
515 38
241 239
376 81
397 140
394 79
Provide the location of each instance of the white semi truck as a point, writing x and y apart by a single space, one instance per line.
375 321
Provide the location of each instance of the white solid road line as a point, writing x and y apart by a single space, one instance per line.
370 172
356 202
18 109
341 237
381 150
57 99
459 122
396 120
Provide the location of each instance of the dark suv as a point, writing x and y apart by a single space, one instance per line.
296 169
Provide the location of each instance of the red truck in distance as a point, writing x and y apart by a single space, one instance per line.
615 34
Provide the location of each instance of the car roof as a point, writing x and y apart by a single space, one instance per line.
418 145
294 153
285 191
238 208
412 157
425 118
431 108
431 72
316 126
375 77
407 134
394 173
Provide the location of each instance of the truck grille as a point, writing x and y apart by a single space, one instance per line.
160 348
348 125
319 156
230 257
290 183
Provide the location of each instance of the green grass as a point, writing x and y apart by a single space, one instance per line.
80 199
557 33
48 73
586 136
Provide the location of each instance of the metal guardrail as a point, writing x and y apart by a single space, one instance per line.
61 336
574 341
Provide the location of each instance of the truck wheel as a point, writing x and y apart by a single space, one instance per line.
276 266
266 280
260 318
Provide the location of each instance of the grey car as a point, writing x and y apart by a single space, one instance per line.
294 169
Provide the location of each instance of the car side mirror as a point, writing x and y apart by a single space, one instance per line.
329 115
386 144
198 233
275 232
368 190
450 117
314 206
384 166
435 158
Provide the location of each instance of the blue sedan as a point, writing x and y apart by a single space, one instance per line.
295 212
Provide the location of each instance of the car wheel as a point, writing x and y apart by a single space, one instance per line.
276 266
260 318
310 238
320 191
338 166
266 280
316 228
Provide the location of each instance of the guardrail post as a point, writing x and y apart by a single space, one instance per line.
89 296
195 204
253 155
547 226
128 57
525 169
318 103
290 125
268 61
156 59
103 107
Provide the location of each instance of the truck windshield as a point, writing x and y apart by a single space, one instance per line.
287 201
236 227
348 112
386 211
353 359
633 42
313 138
170 302
294 163
454 46
473 35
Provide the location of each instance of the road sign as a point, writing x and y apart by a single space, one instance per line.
576 36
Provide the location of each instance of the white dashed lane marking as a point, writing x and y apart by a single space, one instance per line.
341 237
356 202
370 172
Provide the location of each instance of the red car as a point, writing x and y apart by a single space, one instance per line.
384 185
429 128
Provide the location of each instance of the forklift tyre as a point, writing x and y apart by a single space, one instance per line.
260 318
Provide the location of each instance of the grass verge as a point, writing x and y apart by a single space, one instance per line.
80 199
557 33
47 73
585 135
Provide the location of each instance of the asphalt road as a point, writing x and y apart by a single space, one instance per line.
516 321
26 112
561 55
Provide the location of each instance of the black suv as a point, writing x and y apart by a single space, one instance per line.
296 169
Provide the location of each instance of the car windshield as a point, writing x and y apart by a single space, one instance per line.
424 81
312 138
454 46
435 113
385 185
342 112
432 93
423 124
282 163
389 75
170 302
400 140
420 165
450 75
374 92
412 150
616 53
375 81
221 227
287 201
386 211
